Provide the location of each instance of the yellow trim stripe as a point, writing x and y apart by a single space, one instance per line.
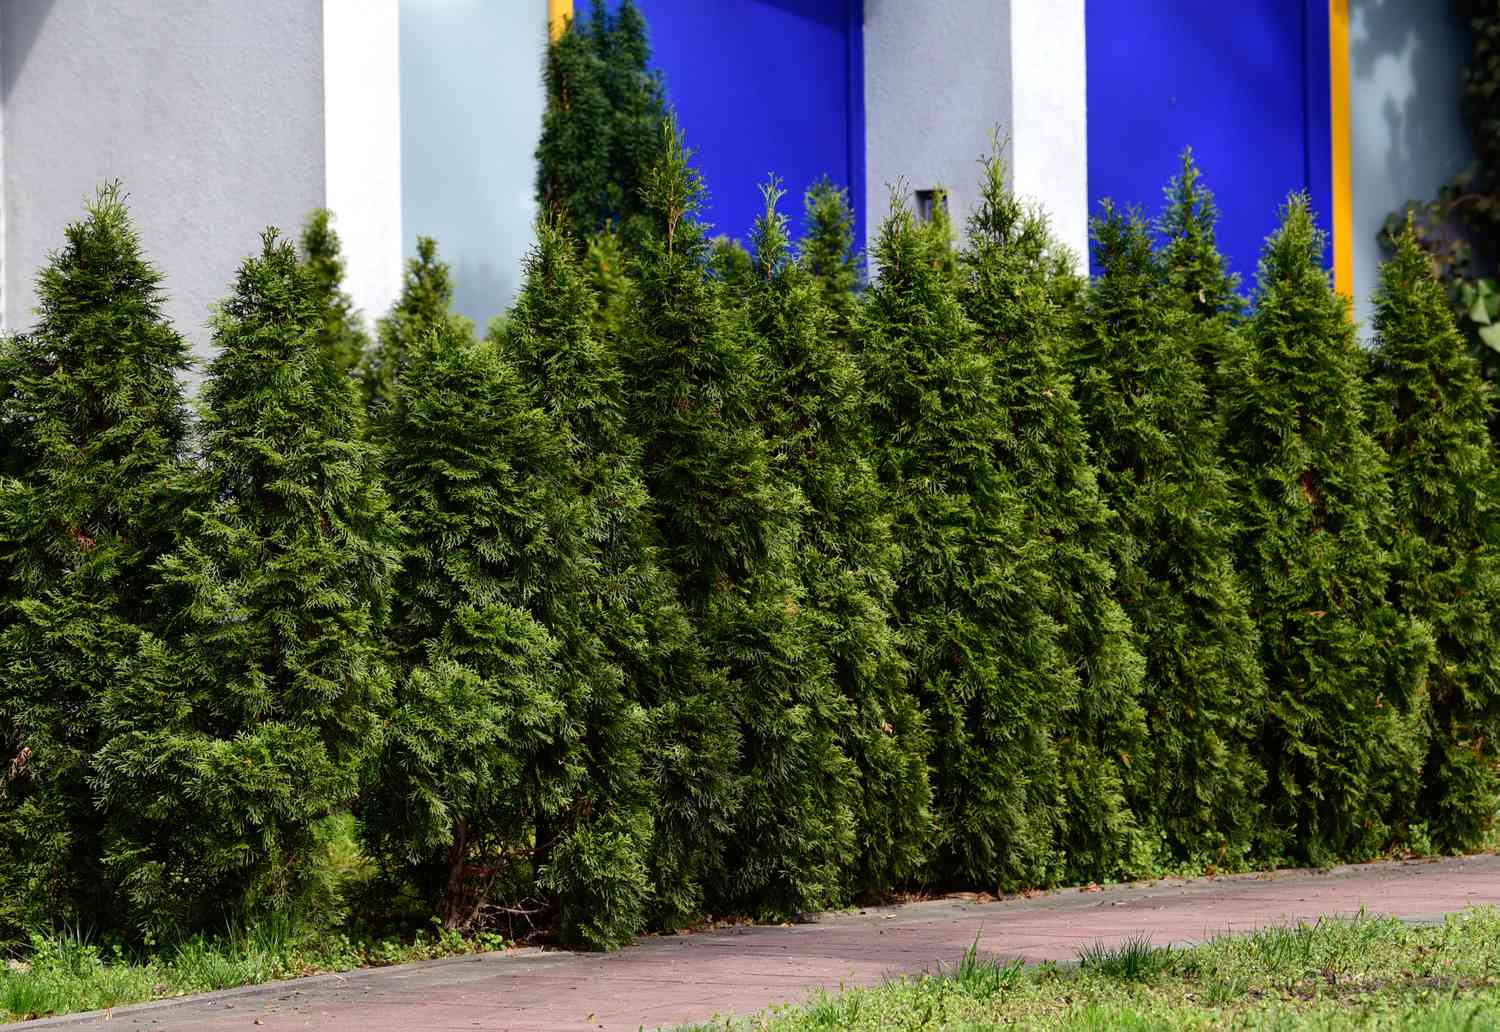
559 13
1343 148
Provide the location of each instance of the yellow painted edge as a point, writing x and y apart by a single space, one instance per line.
1343 148
559 13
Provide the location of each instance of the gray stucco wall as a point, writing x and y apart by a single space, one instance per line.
1408 140
210 112
471 113
937 80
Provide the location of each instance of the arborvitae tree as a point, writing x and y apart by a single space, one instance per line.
257 712
94 424
605 267
828 254
1157 450
1431 407
1345 735
1043 444
972 590
730 527
1198 275
343 334
819 429
425 305
602 124
577 379
482 756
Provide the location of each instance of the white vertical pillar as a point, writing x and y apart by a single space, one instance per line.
362 145
1049 114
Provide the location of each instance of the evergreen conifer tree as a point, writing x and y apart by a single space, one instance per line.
602 123
1199 277
425 305
255 713
1344 739
972 589
343 334
482 758
1043 444
729 527
94 428
819 430
829 256
578 381
1431 407
1157 448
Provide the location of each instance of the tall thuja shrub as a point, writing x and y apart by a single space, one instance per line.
342 334
730 525
652 739
972 589
828 254
1043 444
259 712
482 753
1157 448
818 425
1344 738
1431 407
424 307
1198 276
94 423
602 124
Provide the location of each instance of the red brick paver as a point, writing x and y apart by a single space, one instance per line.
663 981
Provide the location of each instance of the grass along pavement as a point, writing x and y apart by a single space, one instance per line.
1343 973
68 973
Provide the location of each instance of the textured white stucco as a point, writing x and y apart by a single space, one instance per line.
1408 138
937 81
210 112
1049 117
471 114
941 75
362 144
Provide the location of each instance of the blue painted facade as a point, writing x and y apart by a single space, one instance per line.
1246 85
763 87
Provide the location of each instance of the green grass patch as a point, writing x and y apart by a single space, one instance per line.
1358 973
67 973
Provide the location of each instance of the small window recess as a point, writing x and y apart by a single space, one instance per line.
930 202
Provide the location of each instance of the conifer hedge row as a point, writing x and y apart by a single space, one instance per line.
711 580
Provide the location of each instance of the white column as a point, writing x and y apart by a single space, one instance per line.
1049 116
362 145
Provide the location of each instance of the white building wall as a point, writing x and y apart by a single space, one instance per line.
209 112
362 144
471 116
940 76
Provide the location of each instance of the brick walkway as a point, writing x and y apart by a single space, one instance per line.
663 981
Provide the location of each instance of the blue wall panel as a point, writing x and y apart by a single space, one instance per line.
1245 84
761 87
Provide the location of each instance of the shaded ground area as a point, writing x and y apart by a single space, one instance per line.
663 981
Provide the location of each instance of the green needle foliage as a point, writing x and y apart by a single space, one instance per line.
642 730
730 528
1198 277
1043 444
343 334
1345 737
94 424
972 590
257 712
482 755
819 428
1431 406
828 253
602 125
424 307
1157 447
